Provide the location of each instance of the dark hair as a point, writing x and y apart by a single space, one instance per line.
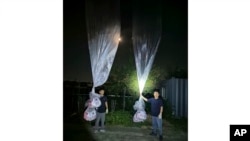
101 89
157 90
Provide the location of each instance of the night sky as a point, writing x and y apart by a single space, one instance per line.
172 51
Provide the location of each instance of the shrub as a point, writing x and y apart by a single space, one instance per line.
180 124
124 118
119 118
167 110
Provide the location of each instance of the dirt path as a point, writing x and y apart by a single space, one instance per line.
118 133
79 132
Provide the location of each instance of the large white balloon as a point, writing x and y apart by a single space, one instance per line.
103 29
146 35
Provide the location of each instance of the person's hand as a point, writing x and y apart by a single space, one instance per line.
160 116
107 111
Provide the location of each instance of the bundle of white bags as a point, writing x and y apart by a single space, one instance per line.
140 114
90 114
93 103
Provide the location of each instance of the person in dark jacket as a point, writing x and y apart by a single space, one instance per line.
101 111
156 113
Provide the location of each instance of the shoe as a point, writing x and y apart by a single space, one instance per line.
96 131
102 130
153 134
160 138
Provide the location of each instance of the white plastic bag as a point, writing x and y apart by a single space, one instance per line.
140 114
139 105
95 102
90 114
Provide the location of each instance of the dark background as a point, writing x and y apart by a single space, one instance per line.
172 51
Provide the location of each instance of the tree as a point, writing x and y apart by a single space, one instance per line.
179 73
125 76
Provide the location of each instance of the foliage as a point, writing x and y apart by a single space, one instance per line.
124 118
179 124
167 110
179 73
125 76
119 118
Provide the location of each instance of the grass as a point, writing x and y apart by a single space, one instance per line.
121 127
179 124
124 118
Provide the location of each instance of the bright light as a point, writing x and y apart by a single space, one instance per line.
119 39
141 85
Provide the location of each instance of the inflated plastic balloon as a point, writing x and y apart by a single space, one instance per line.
146 34
103 29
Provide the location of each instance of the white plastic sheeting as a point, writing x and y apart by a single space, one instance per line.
93 103
140 114
103 29
146 35
90 114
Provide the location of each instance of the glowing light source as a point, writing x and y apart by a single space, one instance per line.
141 86
119 39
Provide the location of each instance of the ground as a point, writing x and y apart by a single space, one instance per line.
75 131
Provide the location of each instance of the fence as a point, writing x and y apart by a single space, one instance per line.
176 92
115 102
76 94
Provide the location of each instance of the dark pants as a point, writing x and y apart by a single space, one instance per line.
99 116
